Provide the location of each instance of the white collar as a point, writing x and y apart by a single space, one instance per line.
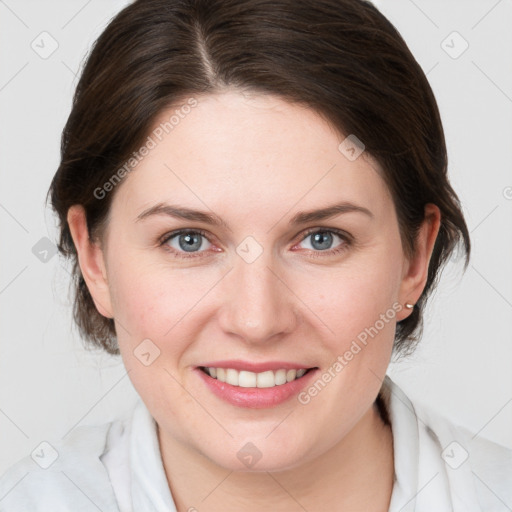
423 481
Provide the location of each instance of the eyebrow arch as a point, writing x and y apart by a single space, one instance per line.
180 212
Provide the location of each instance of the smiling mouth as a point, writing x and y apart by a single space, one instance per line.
246 379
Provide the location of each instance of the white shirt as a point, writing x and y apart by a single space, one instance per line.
117 467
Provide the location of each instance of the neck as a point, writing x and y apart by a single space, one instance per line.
357 474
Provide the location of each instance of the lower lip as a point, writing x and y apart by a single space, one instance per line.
256 398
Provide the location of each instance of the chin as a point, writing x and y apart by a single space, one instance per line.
257 457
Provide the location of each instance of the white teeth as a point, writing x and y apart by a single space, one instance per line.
266 379
280 377
246 379
291 375
232 377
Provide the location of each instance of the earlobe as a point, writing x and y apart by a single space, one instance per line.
416 269
91 261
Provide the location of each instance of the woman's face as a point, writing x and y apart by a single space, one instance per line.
268 284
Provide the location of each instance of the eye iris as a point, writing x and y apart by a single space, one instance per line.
193 242
322 236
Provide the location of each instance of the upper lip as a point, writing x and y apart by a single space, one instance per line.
251 366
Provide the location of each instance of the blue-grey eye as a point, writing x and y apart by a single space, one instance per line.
189 241
321 240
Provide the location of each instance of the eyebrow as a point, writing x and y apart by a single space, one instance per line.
180 212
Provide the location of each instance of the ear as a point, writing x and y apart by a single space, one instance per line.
415 272
91 261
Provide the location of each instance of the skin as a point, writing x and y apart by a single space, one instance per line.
256 161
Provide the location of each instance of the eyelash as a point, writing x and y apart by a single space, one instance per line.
330 252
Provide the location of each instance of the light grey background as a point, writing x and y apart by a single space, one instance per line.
49 383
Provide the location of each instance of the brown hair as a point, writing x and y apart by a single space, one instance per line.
342 58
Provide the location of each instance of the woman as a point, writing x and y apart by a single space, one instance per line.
255 198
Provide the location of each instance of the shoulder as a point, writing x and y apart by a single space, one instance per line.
486 464
64 473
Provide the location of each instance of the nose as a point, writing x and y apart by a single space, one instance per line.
258 305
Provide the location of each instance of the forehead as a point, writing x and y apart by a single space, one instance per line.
254 152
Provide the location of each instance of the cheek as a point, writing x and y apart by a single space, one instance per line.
358 303
148 302
158 301
139 301
156 304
